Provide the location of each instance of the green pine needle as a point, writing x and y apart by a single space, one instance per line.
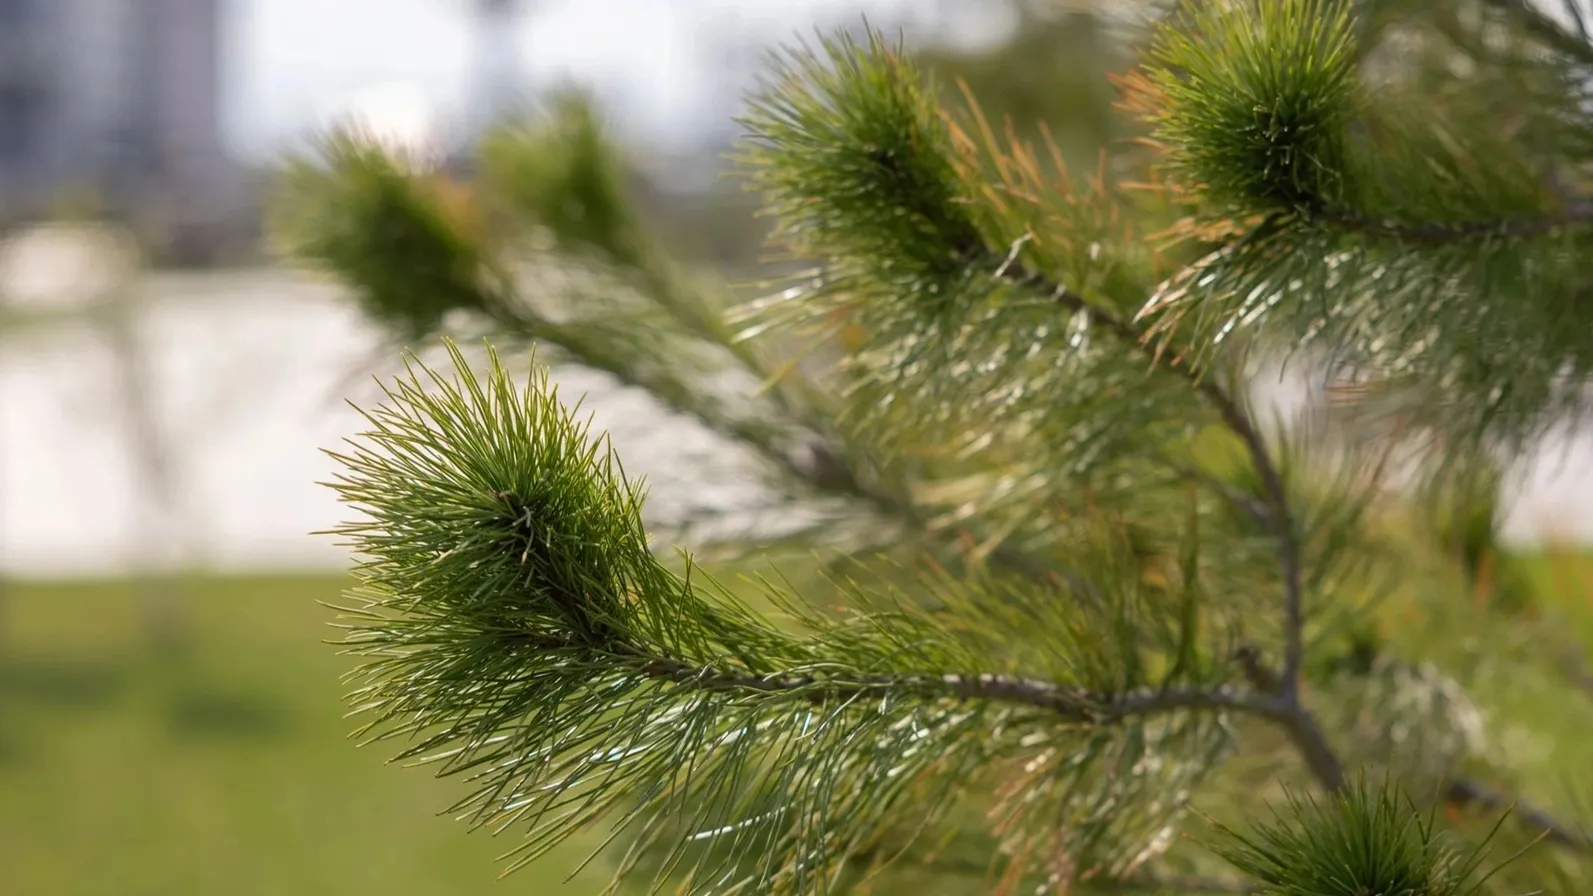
1257 101
564 174
357 211
1409 238
1364 841
851 152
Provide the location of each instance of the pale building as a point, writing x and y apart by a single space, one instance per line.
497 85
116 97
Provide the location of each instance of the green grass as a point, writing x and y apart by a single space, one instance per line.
227 772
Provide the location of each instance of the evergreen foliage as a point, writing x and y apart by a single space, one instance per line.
1357 841
1078 593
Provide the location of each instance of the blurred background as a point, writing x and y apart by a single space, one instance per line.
170 722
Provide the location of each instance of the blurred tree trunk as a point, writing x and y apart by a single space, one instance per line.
161 604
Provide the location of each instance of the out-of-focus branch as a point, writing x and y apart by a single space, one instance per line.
162 601
1545 30
1464 793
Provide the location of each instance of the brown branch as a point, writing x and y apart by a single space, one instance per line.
1071 704
1081 706
1463 793
1307 736
1297 722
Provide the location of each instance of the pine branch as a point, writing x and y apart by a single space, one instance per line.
520 630
1287 711
1298 722
1410 236
860 167
342 211
355 208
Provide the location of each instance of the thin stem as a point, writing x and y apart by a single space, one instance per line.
1082 706
1070 703
1073 704
1240 501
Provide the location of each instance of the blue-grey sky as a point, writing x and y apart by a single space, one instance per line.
657 62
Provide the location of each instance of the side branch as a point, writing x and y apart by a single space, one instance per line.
1577 212
1069 703
1546 29
1083 707
824 467
1072 704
